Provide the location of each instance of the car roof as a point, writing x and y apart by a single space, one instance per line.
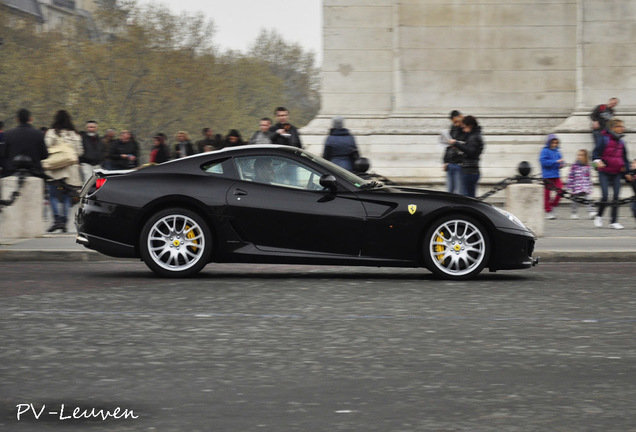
231 151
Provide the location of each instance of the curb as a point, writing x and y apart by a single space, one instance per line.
590 256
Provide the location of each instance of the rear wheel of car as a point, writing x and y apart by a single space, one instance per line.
456 247
175 243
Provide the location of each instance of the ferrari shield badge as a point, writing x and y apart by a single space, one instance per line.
412 208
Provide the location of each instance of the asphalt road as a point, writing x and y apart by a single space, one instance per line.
284 348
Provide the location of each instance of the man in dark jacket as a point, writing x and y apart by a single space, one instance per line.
283 132
340 146
124 152
600 115
24 140
93 146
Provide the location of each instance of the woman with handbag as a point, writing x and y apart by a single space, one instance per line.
64 145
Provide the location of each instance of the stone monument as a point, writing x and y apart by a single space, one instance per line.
525 68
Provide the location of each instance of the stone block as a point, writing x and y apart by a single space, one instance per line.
24 218
360 82
526 202
369 3
346 61
357 39
358 17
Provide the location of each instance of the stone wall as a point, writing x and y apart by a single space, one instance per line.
395 69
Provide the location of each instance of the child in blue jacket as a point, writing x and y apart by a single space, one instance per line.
551 162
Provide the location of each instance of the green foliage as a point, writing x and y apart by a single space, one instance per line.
148 70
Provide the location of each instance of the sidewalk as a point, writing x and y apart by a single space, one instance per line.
564 240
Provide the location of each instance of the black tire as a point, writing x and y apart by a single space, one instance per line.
175 243
456 247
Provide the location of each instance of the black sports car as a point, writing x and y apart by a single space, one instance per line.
279 204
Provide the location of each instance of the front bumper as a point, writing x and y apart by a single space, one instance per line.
513 249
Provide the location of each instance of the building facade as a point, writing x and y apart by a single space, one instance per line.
524 68
50 14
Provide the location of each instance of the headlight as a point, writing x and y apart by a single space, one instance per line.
511 217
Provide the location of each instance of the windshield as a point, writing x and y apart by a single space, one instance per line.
347 175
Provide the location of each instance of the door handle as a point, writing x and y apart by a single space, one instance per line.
239 192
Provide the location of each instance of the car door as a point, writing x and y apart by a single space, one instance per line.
279 206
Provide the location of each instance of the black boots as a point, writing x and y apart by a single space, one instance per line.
58 224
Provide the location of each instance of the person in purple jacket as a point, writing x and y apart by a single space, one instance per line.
610 159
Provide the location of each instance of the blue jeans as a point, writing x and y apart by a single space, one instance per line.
454 178
470 184
605 180
56 198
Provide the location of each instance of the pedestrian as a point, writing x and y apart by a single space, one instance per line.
262 135
109 137
340 145
284 133
600 115
2 149
183 146
233 139
92 150
62 133
580 183
208 143
24 140
160 152
632 172
124 152
471 148
610 159
551 162
453 158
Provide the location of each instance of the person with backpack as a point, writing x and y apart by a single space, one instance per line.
610 159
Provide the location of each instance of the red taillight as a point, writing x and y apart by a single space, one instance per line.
99 182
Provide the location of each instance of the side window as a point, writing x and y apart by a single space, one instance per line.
214 167
277 171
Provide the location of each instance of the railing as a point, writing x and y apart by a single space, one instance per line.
524 177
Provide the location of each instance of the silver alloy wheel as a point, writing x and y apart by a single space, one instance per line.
457 247
176 242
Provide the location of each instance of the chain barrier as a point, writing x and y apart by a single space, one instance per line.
61 185
15 194
504 184
554 188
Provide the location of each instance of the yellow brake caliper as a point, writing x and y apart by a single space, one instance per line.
439 248
191 235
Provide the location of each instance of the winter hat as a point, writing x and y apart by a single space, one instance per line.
337 122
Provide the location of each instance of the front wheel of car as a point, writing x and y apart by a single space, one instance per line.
456 247
175 243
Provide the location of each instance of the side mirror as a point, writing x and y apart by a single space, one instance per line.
328 181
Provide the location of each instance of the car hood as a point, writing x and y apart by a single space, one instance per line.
421 192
